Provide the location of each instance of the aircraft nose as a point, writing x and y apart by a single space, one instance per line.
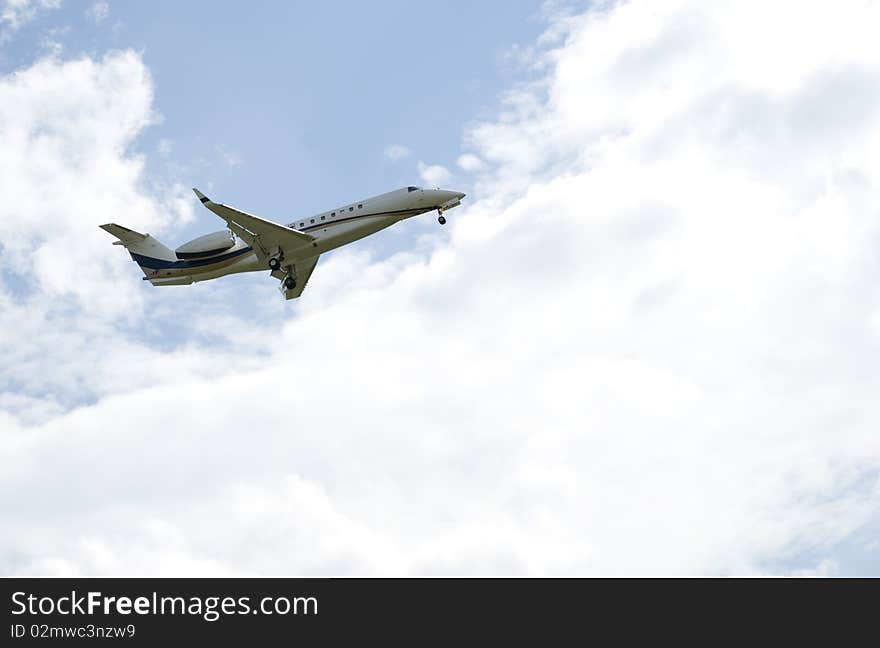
451 195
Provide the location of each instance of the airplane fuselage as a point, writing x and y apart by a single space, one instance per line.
331 229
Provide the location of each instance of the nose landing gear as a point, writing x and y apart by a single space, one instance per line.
274 263
289 283
442 219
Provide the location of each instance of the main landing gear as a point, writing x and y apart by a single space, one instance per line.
289 281
274 263
442 219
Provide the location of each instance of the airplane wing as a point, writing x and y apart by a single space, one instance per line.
265 237
304 270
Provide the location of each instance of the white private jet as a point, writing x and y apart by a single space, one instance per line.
289 252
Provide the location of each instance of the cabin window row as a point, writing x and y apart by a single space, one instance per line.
332 214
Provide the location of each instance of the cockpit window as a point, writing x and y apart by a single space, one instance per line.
412 188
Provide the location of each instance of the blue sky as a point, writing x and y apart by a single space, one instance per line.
288 107
646 342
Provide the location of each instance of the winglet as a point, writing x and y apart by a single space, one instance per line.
201 196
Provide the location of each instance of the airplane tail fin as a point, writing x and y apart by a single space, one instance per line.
146 251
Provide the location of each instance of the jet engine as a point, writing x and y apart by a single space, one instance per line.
206 246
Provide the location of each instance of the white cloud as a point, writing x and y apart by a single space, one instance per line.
63 126
67 167
396 152
647 346
99 11
434 175
165 146
230 158
470 162
15 13
51 41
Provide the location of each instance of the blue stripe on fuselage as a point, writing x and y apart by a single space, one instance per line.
160 264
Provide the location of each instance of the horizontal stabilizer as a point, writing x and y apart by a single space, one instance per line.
125 235
140 246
